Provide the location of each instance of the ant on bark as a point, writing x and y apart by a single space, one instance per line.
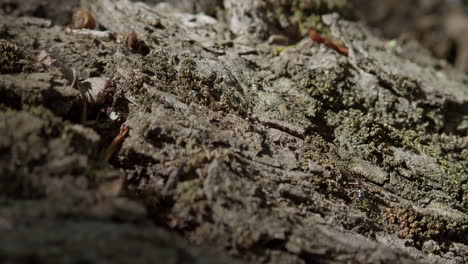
360 192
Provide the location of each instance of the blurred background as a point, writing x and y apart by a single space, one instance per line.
439 25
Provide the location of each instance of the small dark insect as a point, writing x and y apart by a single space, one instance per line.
360 193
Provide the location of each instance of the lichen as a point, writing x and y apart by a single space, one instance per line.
421 226
12 58
449 152
307 13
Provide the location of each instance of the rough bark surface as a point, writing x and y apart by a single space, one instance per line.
247 142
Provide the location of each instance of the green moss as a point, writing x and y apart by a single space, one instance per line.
369 138
374 141
186 82
449 152
12 59
332 89
307 13
158 64
331 180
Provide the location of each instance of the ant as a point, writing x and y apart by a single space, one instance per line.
360 192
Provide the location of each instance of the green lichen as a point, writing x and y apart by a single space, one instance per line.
332 89
320 155
307 13
13 59
401 85
449 152
373 141
368 138
185 81
158 64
